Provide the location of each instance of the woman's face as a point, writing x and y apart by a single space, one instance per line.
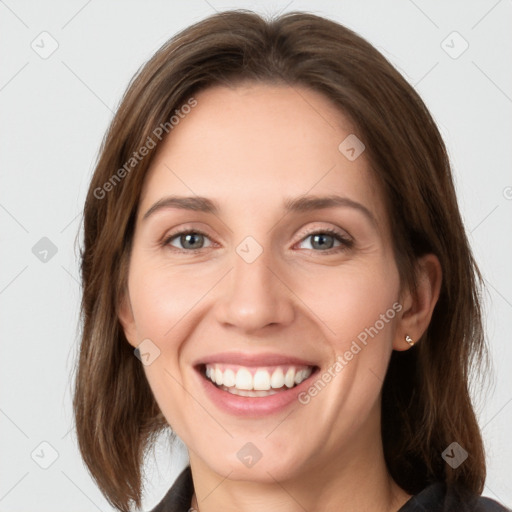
269 290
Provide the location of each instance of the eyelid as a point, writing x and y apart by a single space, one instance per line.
323 229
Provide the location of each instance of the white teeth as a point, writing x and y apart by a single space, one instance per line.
243 379
243 392
289 378
229 378
261 381
277 379
302 375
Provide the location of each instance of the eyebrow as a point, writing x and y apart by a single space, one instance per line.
299 204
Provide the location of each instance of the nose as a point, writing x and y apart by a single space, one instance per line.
255 295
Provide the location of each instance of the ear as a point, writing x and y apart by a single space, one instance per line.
419 306
127 320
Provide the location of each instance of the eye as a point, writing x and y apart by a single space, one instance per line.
324 241
190 241
321 241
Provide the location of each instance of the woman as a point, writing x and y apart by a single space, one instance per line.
275 268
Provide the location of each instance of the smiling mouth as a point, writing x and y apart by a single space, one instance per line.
256 381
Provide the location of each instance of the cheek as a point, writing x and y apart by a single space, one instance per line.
166 304
352 300
358 309
163 297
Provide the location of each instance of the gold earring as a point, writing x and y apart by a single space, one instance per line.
409 340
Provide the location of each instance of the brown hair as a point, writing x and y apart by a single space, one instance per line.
426 403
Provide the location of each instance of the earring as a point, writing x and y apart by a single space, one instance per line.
409 340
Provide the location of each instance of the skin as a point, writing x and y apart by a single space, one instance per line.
249 148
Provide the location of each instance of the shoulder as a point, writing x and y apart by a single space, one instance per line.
489 505
438 497
472 502
179 495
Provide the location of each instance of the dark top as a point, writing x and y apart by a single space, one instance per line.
433 498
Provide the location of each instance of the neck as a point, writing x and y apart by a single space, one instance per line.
356 478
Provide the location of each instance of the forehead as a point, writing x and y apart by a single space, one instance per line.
254 144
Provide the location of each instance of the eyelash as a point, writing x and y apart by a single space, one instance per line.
346 243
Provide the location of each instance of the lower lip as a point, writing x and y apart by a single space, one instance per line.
253 406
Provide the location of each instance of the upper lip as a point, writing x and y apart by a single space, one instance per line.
245 359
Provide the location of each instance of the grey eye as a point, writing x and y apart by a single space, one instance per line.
323 241
189 240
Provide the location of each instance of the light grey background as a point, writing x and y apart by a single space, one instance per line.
54 112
